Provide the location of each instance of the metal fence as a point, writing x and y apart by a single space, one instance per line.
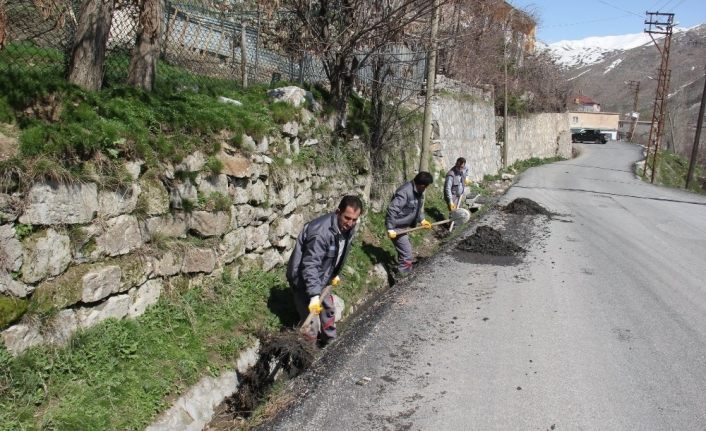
203 40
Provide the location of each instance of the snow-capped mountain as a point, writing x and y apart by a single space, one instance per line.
583 52
602 67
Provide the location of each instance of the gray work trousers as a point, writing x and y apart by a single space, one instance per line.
323 328
404 253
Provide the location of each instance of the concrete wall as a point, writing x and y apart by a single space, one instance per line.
538 135
465 125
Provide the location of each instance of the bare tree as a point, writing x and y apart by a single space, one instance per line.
344 33
143 63
88 53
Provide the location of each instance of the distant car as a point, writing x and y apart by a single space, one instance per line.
588 135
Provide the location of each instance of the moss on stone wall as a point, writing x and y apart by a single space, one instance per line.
11 309
60 292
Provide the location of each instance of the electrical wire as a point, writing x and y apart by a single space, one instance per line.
620 8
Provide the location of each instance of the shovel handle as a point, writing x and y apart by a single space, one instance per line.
304 329
412 229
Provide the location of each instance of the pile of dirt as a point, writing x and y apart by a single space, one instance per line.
487 240
524 206
288 352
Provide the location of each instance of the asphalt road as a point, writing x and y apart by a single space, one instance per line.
600 325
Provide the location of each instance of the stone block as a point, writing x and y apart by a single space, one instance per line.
61 327
246 215
53 203
9 208
115 307
13 287
46 256
257 192
192 163
208 184
143 297
134 168
198 260
153 198
114 203
291 129
21 337
122 235
169 225
100 283
206 224
169 264
11 253
305 198
271 259
181 191
236 165
256 236
233 245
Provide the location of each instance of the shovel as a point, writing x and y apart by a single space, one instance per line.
460 202
458 216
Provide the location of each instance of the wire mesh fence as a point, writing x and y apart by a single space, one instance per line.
196 37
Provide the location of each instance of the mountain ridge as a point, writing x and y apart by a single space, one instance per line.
605 81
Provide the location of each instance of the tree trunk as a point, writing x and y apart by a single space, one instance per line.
343 70
88 53
143 64
3 24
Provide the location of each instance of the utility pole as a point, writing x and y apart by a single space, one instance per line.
659 23
505 134
635 87
695 148
431 78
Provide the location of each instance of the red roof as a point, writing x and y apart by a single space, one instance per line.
584 100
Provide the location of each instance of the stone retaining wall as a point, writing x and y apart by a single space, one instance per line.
76 254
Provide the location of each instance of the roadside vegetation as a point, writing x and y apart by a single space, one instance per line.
672 169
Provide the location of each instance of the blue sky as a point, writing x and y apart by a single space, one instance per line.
577 19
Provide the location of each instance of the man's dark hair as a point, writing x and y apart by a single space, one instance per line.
423 178
460 161
351 201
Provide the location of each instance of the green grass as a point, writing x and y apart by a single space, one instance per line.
519 167
672 169
122 123
120 374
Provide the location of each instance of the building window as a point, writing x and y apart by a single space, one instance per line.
575 119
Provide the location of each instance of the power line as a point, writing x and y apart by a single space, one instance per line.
570 24
619 8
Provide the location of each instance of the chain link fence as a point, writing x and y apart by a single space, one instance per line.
197 37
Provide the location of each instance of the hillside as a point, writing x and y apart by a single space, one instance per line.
605 81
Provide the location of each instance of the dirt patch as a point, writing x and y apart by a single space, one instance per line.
8 145
487 240
286 352
524 206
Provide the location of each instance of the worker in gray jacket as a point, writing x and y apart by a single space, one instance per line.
316 261
455 183
406 209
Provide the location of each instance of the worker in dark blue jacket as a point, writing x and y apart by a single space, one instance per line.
406 209
316 261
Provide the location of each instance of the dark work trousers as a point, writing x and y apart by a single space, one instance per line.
404 253
323 328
